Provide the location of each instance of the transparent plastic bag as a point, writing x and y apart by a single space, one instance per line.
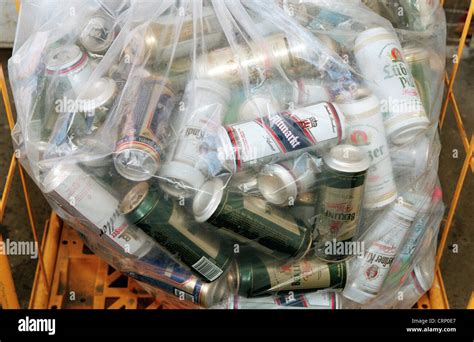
235 154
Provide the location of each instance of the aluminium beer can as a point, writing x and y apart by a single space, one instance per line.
191 161
379 56
70 66
366 131
283 183
280 136
370 272
324 300
98 34
259 274
146 111
418 59
250 217
344 173
82 196
207 254
255 63
153 43
176 280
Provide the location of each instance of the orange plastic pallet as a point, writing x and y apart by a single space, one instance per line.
81 280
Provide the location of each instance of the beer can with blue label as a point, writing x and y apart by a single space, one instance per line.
145 123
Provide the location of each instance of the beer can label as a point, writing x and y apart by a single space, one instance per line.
381 60
340 214
301 275
145 125
82 197
377 263
253 218
195 239
368 133
381 254
267 138
196 144
175 283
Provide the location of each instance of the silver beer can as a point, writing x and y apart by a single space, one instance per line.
70 65
98 34
144 128
320 300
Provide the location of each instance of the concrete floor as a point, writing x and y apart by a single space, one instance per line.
456 267
15 225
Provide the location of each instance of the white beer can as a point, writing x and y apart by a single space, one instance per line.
280 136
370 272
80 195
194 157
365 129
378 54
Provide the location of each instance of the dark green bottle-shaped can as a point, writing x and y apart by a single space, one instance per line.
259 274
206 253
252 218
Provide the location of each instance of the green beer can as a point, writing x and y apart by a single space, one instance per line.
195 245
258 274
252 218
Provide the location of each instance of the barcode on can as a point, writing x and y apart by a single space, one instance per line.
207 268
184 295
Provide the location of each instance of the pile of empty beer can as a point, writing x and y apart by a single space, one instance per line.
241 154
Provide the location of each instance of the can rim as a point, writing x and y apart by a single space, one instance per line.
57 175
253 105
207 199
86 39
282 194
54 63
336 159
134 198
355 294
423 145
98 94
414 53
407 132
136 174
